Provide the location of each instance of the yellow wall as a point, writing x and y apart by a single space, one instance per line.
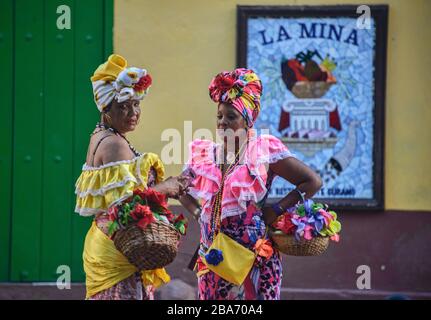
183 43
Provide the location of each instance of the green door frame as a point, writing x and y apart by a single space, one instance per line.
47 112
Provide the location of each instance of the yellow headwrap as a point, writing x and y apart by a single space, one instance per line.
113 79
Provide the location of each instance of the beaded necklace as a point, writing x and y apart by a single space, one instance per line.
101 126
216 220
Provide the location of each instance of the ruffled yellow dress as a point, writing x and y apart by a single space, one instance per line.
109 275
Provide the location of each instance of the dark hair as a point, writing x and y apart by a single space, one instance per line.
108 107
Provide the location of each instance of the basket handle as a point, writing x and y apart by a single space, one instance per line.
307 202
301 194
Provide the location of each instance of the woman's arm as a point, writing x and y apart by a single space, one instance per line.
192 206
297 173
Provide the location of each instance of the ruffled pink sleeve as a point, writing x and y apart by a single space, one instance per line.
201 161
267 149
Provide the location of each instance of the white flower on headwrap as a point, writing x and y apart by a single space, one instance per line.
113 80
125 82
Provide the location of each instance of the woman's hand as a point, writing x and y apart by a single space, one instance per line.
172 187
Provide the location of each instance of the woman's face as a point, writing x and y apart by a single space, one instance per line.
229 118
125 115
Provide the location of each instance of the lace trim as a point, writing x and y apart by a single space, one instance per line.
230 212
273 158
207 175
86 212
200 194
86 167
139 179
102 191
227 201
245 196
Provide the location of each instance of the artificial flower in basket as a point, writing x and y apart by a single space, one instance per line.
145 230
305 229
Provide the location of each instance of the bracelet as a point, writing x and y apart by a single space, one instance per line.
278 209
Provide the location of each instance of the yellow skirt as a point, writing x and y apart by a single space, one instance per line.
105 266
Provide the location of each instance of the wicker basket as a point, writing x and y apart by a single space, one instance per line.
287 244
152 248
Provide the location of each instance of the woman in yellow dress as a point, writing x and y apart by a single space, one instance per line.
113 169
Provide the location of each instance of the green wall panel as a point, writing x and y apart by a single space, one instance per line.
56 231
28 140
6 119
48 114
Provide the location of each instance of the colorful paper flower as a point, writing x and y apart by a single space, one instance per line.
309 220
214 257
113 213
317 220
143 208
326 216
156 200
285 224
143 84
224 82
143 215
264 248
140 211
300 226
335 237
180 223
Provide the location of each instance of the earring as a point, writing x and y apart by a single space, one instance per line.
107 119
